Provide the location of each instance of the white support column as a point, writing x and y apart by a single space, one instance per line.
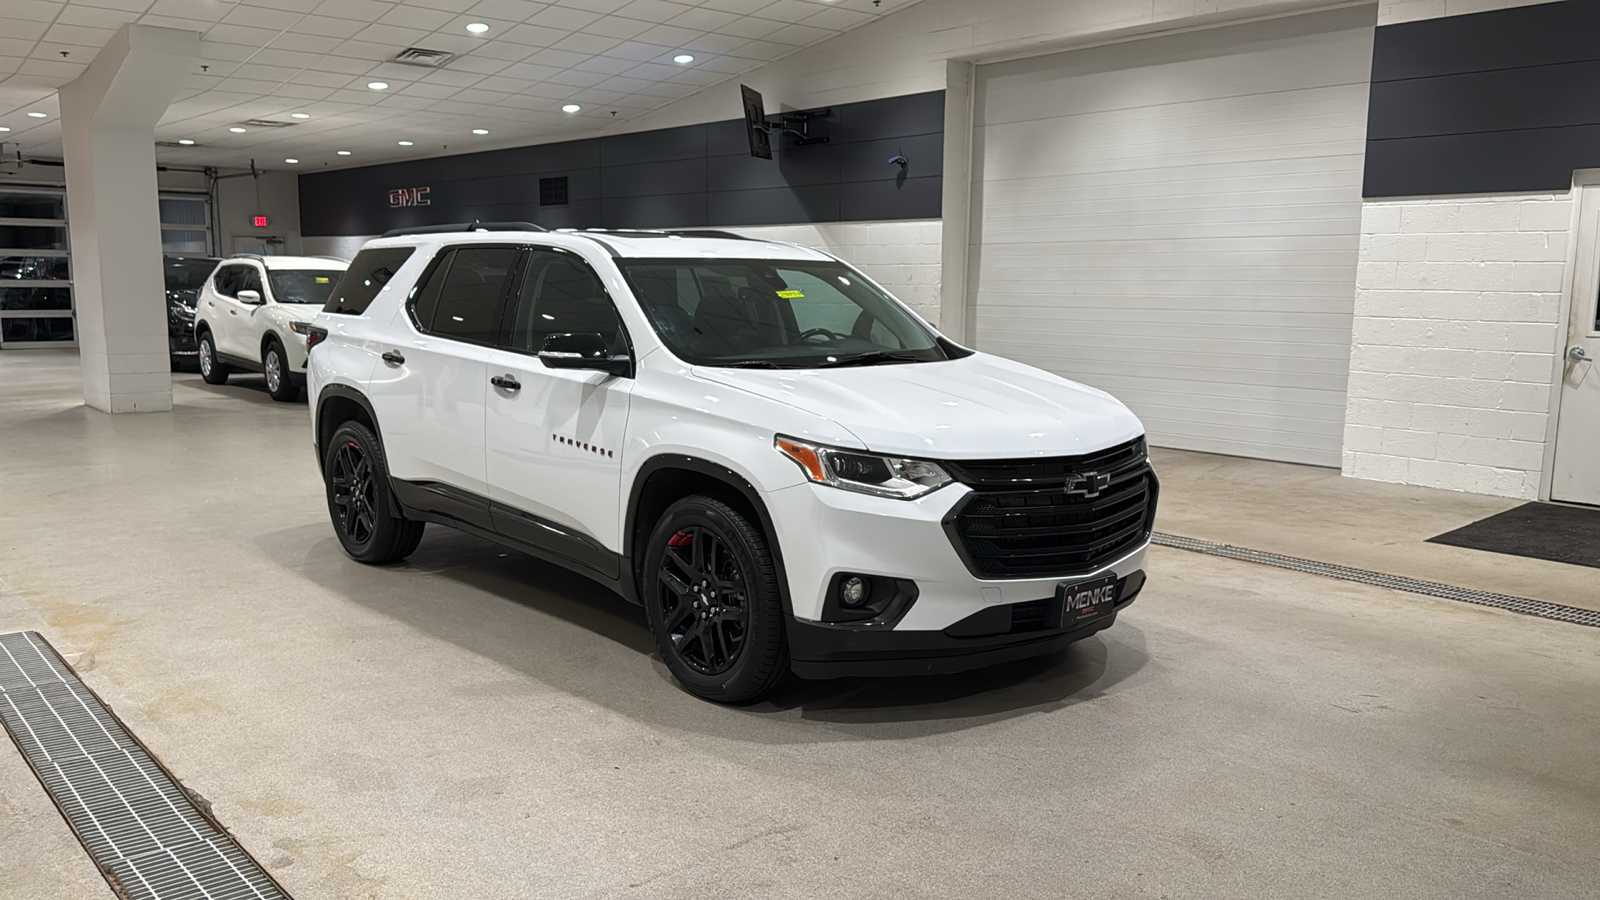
956 316
108 119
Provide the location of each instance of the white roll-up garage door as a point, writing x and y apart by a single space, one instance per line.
1176 220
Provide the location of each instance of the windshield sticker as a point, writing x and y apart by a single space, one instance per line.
321 280
791 295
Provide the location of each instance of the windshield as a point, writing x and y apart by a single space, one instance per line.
303 285
188 274
775 314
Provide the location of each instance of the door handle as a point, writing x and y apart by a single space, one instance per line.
394 358
1578 354
233 312
506 383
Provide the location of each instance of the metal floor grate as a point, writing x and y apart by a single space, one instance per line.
141 829
1573 614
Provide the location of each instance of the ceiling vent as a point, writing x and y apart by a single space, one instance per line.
266 123
418 56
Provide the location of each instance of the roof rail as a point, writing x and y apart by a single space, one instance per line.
329 257
659 232
246 256
465 226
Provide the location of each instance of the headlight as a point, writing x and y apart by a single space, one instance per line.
866 473
300 327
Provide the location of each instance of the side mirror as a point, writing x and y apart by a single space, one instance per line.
251 297
585 350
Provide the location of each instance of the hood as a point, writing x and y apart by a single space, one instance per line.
980 407
299 312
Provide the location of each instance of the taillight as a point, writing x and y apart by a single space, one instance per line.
315 334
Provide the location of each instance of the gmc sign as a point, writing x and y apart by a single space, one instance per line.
417 196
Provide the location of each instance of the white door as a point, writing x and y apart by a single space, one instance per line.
1577 463
428 390
555 435
229 316
1176 220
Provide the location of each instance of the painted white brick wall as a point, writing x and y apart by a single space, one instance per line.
1392 11
901 256
1458 305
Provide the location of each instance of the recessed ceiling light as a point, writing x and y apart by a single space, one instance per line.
3 128
236 130
299 115
378 85
344 152
477 27
291 160
38 115
405 143
683 58
571 107
186 142
480 131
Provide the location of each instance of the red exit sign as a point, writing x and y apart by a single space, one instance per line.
258 221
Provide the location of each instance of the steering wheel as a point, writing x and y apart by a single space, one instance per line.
810 333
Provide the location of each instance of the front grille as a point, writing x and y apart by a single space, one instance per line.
1020 522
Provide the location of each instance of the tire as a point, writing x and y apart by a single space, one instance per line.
369 525
275 366
711 598
213 370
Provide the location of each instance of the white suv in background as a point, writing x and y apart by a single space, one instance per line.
252 313
785 466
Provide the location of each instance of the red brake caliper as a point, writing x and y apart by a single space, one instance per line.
681 539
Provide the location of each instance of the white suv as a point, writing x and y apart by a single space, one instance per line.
785 466
252 314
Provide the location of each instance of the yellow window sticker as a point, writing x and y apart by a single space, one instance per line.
791 295
321 280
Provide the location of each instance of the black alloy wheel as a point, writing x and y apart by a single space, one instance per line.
369 525
354 492
704 600
709 585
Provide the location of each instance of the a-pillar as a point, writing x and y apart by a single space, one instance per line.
108 119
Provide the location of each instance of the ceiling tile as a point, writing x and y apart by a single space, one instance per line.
652 10
605 64
131 5
741 7
558 17
605 7
327 26
838 18
509 10
32 10
357 10
799 35
750 27
669 36
416 17
636 51
201 10
304 43
535 35
788 10
299 6
79 36
715 43
391 36
482 65
365 50
94 17
617 27
260 17
586 43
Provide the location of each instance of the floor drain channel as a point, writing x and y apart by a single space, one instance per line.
147 837
1573 614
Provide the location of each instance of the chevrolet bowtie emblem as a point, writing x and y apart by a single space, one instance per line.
1088 484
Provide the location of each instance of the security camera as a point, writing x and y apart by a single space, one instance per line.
898 160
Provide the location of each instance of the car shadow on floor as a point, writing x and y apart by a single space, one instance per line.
558 627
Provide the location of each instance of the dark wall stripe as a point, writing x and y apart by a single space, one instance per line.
693 175
1492 102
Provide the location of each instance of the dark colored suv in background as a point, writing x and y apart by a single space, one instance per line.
184 276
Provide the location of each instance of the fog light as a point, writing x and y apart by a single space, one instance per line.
853 591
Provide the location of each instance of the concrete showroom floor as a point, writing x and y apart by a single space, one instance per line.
477 724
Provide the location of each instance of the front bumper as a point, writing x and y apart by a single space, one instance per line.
839 651
825 531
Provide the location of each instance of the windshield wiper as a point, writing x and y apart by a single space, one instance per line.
871 357
748 364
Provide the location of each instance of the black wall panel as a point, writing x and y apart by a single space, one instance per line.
689 176
1485 103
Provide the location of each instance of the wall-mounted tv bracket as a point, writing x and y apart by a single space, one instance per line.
798 125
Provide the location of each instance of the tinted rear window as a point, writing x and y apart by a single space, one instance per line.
368 273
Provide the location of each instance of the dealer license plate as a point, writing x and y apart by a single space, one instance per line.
1085 600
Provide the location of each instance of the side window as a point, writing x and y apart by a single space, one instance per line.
368 273
425 295
469 298
226 281
250 280
562 295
